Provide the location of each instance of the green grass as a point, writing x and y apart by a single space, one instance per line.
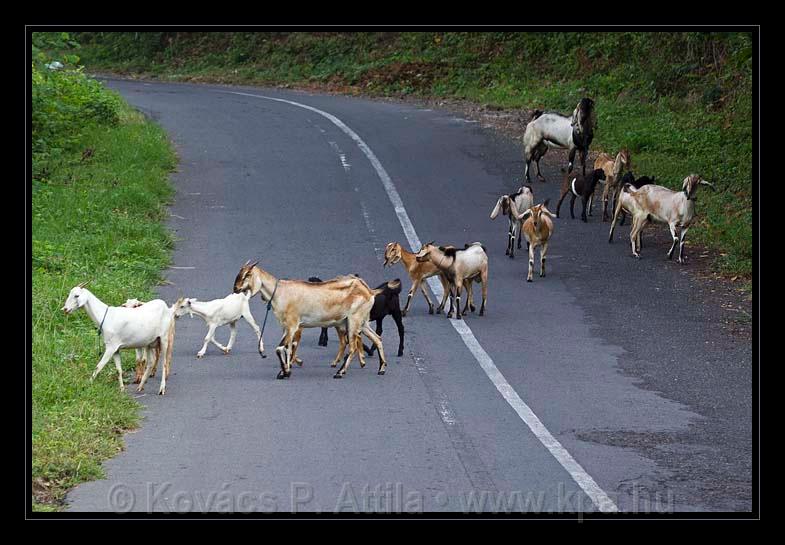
98 219
680 101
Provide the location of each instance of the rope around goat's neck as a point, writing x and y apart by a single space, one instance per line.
269 305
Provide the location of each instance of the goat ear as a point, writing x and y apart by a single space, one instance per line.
525 214
711 185
497 208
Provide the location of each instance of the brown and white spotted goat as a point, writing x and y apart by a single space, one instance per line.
344 301
511 206
461 268
538 229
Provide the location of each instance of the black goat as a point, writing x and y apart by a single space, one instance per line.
384 304
580 186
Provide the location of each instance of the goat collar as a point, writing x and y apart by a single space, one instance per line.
693 198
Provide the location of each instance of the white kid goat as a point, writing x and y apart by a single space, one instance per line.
220 312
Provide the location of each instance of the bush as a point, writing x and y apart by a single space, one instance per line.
65 102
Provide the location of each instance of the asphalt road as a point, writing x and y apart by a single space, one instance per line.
623 361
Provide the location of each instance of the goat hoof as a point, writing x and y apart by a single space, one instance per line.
528 279
281 375
161 392
380 372
430 310
199 356
403 313
263 355
337 375
400 353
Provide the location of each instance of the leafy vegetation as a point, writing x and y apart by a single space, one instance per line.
100 183
680 101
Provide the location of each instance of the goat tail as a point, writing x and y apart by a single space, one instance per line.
169 346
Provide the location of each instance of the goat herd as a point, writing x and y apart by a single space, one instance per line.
348 304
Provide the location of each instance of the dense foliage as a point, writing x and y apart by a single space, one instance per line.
65 102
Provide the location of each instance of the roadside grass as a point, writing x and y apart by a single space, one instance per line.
99 218
680 102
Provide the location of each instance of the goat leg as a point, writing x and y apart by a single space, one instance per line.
118 365
377 341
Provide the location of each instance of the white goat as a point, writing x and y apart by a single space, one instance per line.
123 327
220 312
663 205
143 355
512 206
459 266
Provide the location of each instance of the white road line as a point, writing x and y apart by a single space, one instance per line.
579 475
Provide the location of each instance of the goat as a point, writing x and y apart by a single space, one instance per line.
538 229
127 328
579 186
511 206
654 203
323 338
143 355
625 201
344 301
613 168
629 178
323 334
554 130
459 266
385 304
418 271
220 312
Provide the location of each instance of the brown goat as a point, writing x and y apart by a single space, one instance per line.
613 168
418 271
538 229
343 302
